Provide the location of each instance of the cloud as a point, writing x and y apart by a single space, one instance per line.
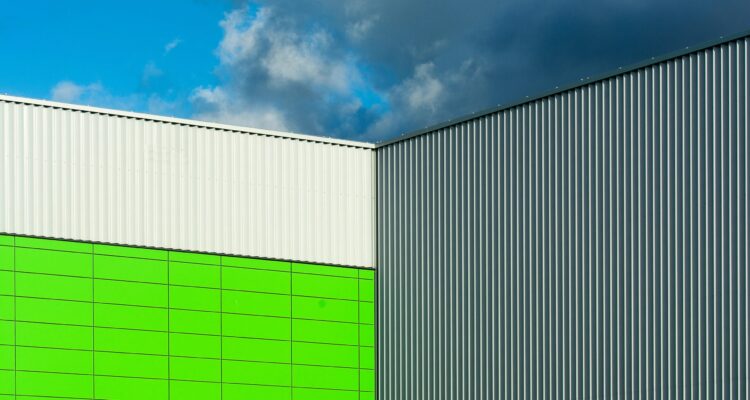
277 74
150 72
216 106
422 94
156 104
95 94
172 45
359 29
282 54
422 91
242 34
71 92
375 69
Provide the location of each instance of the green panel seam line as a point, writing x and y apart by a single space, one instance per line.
169 328
93 323
291 333
359 333
221 327
15 325
324 314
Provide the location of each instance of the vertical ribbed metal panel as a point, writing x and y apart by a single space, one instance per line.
591 244
91 176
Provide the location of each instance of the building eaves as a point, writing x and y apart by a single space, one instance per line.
183 121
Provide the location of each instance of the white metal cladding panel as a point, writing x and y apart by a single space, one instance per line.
88 176
588 245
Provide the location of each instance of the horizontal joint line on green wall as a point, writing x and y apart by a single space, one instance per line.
196 357
187 380
183 262
177 332
158 297
181 309
178 285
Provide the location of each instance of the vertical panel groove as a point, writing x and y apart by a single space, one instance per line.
591 244
80 175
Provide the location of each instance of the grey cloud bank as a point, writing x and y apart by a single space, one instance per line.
372 70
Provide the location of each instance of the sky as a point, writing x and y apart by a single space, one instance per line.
356 69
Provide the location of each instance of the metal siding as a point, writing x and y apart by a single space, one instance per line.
588 244
83 175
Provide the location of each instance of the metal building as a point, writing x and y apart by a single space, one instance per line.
144 257
109 176
587 244
590 243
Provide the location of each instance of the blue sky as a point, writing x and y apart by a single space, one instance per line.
113 44
356 69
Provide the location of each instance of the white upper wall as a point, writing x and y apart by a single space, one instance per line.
100 175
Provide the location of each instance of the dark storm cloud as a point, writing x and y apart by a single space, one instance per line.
375 69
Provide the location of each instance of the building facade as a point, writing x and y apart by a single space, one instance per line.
589 243
153 258
85 321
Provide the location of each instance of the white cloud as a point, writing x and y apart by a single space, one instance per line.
292 59
94 94
172 45
359 29
280 69
422 91
151 71
210 97
71 92
283 54
158 105
277 74
214 104
241 35
418 98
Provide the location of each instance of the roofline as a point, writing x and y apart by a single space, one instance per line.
585 81
184 121
406 136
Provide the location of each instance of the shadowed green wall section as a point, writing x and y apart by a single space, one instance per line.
83 321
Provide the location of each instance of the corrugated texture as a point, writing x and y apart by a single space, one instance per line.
182 121
81 175
591 244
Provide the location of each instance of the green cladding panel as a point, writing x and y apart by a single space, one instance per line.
91 321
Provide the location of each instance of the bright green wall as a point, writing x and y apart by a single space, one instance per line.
81 320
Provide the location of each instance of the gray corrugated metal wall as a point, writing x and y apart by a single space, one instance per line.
591 244
89 174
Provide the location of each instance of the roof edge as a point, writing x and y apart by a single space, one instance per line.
561 89
184 121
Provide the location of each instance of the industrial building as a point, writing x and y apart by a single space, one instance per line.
590 243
